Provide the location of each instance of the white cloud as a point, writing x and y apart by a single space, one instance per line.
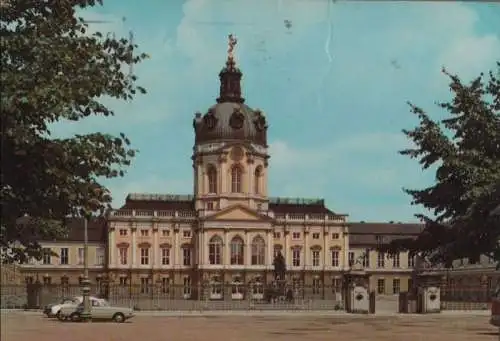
421 37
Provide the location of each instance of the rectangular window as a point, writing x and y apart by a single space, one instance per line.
64 256
335 258
144 285
277 250
296 257
123 253
144 233
315 257
123 232
366 259
165 256
410 284
381 260
144 255
277 235
336 285
99 255
315 235
81 255
210 206
296 235
316 285
165 285
186 256
396 286
123 281
351 258
186 234
411 261
335 236
396 260
187 287
381 286
47 254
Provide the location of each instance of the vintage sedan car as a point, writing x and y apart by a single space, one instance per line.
100 310
47 310
495 308
70 302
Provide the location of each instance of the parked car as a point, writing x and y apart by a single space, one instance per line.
495 308
72 302
47 310
100 310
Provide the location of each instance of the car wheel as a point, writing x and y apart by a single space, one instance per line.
74 317
119 318
60 317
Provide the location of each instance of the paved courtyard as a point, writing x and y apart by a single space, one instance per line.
28 327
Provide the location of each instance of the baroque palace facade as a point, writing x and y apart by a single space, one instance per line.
228 232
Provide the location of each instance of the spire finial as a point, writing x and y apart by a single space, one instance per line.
232 41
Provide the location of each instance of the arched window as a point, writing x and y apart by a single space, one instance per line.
236 175
257 180
236 251
215 250
212 179
258 251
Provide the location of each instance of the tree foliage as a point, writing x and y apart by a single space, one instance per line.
54 70
464 150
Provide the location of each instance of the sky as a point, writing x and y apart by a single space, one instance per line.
334 87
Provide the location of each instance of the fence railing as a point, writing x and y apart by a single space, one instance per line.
181 297
226 297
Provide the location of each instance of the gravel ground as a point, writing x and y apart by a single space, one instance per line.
19 326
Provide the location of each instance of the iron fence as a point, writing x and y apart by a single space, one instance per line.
226 297
181 297
476 297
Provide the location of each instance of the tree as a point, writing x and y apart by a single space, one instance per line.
53 70
464 150
279 266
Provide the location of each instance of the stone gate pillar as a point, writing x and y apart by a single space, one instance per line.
429 292
356 292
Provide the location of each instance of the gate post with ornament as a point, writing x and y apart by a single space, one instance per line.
357 298
429 292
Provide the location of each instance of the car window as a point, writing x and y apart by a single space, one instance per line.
95 303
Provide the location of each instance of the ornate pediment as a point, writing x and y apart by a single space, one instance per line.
238 213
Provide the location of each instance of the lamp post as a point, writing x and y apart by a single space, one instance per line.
86 314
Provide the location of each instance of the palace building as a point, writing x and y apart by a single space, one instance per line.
228 231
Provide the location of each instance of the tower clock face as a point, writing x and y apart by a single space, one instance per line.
237 154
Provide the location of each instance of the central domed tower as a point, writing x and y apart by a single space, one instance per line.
230 153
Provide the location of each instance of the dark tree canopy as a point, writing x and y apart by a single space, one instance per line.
279 266
464 148
53 71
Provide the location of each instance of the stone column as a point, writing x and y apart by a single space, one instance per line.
226 259
134 246
112 248
177 249
269 242
155 248
204 247
307 253
247 249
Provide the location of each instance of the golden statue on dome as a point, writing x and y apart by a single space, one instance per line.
231 44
